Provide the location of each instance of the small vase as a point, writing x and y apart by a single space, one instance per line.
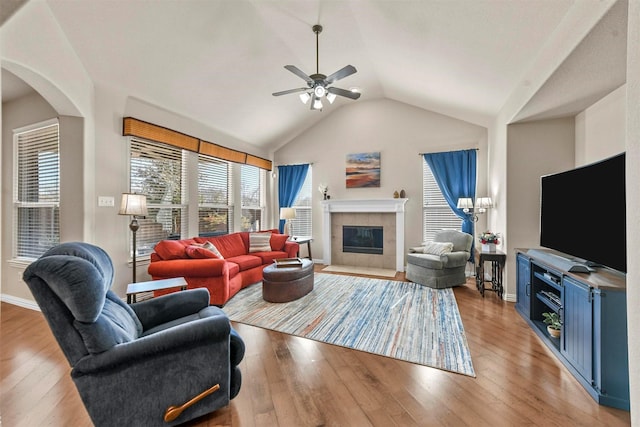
395 195
488 247
402 194
325 196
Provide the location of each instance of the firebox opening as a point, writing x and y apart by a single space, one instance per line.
362 239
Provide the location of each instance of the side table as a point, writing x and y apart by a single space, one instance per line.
497 260
154 285
302 240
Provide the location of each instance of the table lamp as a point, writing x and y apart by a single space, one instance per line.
288 214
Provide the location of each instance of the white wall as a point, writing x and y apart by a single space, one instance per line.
633 204
601 129
534 149
399 132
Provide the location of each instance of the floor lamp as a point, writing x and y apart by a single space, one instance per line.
288 214
135 205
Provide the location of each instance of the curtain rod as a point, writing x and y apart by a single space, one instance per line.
448 151
296 164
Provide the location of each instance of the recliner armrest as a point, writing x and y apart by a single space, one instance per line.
163 309
201 332
455 259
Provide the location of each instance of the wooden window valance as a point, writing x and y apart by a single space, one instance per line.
141 129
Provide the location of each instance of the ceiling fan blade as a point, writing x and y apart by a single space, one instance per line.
298 72
341 74
343 92
285 92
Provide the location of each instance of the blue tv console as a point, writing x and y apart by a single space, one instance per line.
593 310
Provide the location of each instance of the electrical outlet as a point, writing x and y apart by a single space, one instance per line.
106 201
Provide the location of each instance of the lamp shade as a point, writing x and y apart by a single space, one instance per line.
465 203
484 202
287 213
133 204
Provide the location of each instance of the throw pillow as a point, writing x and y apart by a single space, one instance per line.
210 246
277 241
202 251
170 249
437 248
259 242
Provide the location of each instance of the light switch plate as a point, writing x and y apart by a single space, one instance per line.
106 201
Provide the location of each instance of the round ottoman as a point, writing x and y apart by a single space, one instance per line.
284 284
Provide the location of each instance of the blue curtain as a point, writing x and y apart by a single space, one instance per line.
290 180
455 173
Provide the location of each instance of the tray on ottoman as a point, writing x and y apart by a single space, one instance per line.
287 283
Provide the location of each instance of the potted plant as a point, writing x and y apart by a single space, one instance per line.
553 322
489 240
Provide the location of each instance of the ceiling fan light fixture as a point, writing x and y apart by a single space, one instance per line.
320 85
305 97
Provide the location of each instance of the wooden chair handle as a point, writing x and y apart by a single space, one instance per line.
174 412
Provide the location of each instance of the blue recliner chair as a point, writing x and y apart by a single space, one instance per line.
135 365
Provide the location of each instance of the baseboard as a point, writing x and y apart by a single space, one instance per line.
21 302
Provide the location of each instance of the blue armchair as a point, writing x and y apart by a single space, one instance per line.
160 362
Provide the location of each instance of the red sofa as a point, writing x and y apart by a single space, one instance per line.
237 264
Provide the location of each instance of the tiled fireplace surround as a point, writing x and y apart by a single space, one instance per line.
388 213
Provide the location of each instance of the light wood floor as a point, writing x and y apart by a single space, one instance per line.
290 381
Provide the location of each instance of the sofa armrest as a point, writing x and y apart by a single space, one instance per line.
291 248
455 259
214 329
166 308
207 267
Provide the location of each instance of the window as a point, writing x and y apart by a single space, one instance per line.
215 195
252 197
301 225
436 213
157 170
36 192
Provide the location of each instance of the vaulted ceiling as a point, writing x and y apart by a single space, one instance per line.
219 61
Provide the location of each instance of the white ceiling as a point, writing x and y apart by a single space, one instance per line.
219 61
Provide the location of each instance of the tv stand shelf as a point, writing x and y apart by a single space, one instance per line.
592 308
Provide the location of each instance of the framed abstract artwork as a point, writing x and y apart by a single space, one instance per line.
363 170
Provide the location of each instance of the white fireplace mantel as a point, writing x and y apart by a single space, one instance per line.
366 206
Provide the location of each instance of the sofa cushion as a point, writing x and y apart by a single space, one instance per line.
268 257
277 241
246 262
172 249
433 262
259 242
229 245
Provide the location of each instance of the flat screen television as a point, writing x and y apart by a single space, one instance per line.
582 213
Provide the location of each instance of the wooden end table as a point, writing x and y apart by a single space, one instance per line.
497 260
302 240
154 285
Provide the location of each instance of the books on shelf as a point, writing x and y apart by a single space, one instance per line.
287 262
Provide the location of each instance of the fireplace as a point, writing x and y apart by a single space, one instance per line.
388 213
362 239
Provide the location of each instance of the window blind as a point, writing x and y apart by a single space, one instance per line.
436 213
251 196
215 196
36 190
302 225
157 171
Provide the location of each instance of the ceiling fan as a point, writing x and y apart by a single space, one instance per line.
318 85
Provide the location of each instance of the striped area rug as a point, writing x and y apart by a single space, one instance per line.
401 320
